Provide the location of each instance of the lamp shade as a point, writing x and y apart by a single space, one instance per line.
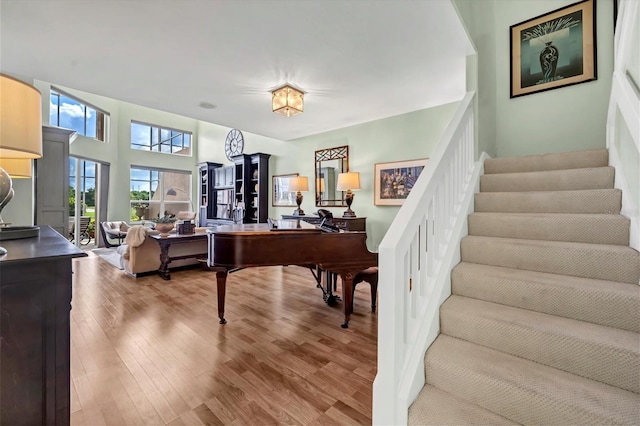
349 180
287 101
320 184
299 183
16 167
20 119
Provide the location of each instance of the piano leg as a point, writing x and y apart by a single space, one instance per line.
347 296
221 280
330 280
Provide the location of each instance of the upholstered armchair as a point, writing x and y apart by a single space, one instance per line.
116 230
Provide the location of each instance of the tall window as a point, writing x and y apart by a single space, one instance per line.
156 193
145 137
86 193
70 113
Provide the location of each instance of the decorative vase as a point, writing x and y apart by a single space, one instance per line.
164 228
549 62
141 212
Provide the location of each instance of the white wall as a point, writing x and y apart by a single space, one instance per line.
116 151
563 119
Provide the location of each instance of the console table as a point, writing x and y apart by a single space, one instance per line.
165 242
344 223
35 302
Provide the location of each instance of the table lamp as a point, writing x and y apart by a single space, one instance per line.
298 184
347 182
20 142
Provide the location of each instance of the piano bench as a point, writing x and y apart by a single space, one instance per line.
369 275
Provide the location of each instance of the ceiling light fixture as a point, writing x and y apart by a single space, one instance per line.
287 101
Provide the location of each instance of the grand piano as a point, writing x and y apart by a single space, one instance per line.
287 242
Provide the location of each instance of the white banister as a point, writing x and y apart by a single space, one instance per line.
415 260
623 120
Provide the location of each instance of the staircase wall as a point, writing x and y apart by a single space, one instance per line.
512 127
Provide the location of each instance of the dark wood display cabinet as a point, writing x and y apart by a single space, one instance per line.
222 187
207 202
35 304
252 186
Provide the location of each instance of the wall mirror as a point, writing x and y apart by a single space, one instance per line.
281 195
329 163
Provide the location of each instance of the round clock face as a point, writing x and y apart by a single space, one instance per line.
234 144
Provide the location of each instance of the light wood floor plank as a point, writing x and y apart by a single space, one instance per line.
147 351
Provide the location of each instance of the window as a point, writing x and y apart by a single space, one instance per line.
87 193
82 194
70 113
154 191
145 137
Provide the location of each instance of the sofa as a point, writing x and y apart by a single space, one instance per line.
141 253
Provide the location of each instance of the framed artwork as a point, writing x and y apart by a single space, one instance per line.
394 180
281 196
554 50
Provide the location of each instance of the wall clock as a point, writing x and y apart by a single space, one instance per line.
234 144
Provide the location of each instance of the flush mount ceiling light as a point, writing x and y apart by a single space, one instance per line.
287 101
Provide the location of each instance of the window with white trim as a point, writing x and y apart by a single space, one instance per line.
145 137
72 113
156 193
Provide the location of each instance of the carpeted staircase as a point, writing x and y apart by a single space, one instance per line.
543 324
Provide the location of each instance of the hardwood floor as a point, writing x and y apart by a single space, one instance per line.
147 351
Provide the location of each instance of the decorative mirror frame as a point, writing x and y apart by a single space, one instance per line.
280 197
324 198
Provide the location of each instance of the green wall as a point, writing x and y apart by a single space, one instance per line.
564 119
404 137
478 19
408 136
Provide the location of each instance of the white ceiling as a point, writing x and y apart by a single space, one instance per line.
356 60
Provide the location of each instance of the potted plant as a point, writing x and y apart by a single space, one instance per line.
165 223
91 228
141 209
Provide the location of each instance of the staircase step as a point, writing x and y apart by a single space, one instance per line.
436 407
555 180
608 355
524 391
554 161
608 303
598 261
607 201
574 227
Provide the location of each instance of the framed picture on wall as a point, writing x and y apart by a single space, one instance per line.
393 181
281 196
554 50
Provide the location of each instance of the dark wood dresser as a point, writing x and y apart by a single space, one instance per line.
345 223
35 301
